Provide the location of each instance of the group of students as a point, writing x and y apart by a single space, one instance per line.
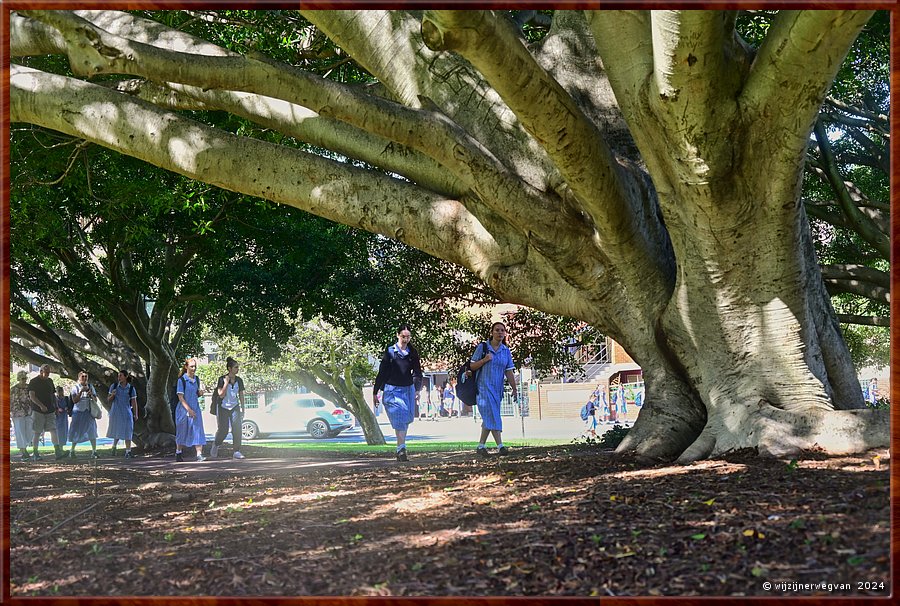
38 406
448 407
228 408
598 410
400 379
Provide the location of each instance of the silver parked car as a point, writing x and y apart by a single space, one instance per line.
297 414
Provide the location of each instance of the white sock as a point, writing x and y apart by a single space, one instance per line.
177 452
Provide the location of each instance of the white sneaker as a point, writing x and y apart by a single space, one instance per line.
214 451
238 455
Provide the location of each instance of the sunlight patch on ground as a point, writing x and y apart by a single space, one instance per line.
673 470
420 504
288 498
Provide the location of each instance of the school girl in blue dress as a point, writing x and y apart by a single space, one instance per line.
493 362
83 427
400 376
188 416
122 413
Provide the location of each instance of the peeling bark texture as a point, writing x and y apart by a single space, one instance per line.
639 170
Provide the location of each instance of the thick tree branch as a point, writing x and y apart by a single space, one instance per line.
864 320
306 125
32 357
425 130
41 331
861 273
493 46
101 52
865 118
805 48
848 198
829 211
856 287
389 45
67 351
690 65
335 191
625 35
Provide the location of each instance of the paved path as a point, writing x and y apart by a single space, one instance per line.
422 431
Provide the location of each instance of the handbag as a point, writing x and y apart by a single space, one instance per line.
95 410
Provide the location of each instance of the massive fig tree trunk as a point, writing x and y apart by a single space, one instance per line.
639 170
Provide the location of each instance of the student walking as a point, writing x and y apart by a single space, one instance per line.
122 413
83 427
449 399
230 391
400 376
492 361
188 416
589 414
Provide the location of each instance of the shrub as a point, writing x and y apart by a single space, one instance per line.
609 439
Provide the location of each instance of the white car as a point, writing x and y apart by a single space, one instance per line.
297 414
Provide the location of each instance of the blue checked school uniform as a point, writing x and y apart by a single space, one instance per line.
83 427
121 418
399 401
490 383
188 431
400 405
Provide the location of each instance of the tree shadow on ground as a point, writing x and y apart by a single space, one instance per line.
545 521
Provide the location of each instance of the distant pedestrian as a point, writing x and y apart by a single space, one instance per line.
448 399
400 376
613 401
20 414
122 413
188 416
590 423
230 389
622 402
604 407
639 396
63 410
43 410
83 427
872 394
492 360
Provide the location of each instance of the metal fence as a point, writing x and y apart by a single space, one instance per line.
508 406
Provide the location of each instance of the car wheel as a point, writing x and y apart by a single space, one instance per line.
318 429
249 430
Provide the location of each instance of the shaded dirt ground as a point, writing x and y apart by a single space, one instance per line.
544 521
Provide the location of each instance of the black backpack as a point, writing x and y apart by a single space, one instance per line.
467 387
215 399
